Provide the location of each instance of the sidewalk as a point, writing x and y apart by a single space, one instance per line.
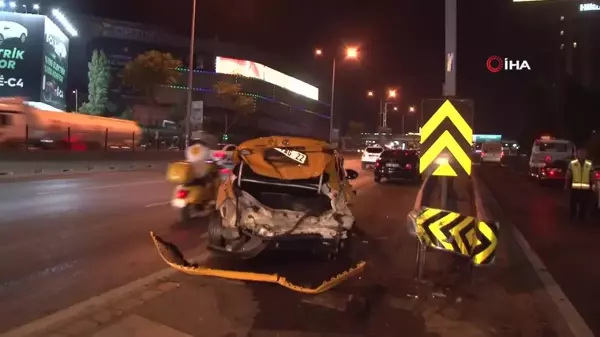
505 299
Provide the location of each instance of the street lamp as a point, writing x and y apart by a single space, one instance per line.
190 84
411 110
36 8
76 92
392 94
12 5
351 53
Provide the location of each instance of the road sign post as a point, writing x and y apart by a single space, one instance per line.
446 140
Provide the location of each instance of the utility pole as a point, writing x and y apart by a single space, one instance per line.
188 118
450 73
332 101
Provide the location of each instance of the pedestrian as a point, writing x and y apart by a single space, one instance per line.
580 184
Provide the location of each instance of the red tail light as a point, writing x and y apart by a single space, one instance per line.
482 153
502 154
378 163
597 175
548 159
219 155
408 166
182 194
224 171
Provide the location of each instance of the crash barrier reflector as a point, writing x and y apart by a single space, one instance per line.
453 232
186 267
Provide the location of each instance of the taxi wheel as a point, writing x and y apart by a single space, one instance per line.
215 232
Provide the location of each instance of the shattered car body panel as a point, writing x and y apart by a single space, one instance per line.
290 188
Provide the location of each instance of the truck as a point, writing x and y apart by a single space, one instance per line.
23 123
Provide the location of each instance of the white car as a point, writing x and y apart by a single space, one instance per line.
12 30
224 154
546 150
491 152
370 156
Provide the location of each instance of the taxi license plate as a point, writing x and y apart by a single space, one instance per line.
392 165
178 203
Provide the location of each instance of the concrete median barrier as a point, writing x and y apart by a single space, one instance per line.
54 162
14 163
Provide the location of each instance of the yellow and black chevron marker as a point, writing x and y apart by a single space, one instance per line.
463 235
446 141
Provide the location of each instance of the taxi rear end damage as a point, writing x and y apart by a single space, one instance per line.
283 194
300 211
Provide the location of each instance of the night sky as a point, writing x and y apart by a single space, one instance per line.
402 45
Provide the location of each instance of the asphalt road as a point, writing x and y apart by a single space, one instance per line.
569 250
64 239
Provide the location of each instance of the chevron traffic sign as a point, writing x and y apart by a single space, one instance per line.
453 232
446 140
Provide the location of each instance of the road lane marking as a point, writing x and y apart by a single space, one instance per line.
103 187
156 204
567 310
111 296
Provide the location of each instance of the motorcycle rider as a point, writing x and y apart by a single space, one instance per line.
198 154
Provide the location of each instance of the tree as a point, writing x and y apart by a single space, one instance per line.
127 113
150 70
98 81
231 94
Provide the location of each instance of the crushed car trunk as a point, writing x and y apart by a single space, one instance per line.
272 207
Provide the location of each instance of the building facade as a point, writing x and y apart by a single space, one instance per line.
276 110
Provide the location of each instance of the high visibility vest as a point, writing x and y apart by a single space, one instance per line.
581 175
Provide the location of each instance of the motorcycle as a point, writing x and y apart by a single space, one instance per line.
193 197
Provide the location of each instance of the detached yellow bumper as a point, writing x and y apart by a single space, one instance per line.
174 258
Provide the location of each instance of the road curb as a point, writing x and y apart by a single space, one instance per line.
577 325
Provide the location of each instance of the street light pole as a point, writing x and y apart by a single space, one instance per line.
76 92
188 118
450 67
332 102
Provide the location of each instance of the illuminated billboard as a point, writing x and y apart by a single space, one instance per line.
589 7
33 59
54 75
230 66
21 48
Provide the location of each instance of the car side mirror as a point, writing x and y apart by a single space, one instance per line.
351 174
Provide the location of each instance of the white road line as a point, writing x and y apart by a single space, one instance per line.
576 323
156 204
39 325
102 187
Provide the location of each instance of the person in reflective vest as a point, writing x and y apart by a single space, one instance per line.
580 184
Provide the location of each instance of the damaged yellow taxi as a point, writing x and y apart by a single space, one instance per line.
284 193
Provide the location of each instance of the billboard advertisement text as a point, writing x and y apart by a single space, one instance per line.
55 61
230 66
21 48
